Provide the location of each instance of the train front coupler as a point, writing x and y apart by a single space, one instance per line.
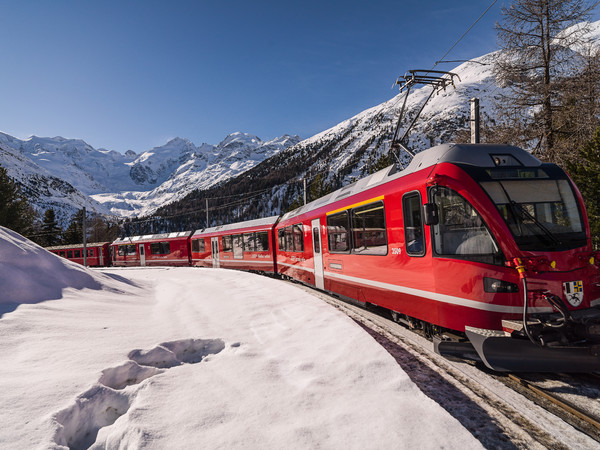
562 341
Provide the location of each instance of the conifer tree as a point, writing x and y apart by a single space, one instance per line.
15 211
74 232
50 232
586 173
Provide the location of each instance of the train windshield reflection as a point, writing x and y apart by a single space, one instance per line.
542 214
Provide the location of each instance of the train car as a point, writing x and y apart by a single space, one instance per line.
98 253
245 245
479 239
168 249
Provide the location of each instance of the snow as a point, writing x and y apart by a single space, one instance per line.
193 358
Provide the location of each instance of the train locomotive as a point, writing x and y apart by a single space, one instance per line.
479 241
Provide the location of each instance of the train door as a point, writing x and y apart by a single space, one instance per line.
317 253
142 255
214 243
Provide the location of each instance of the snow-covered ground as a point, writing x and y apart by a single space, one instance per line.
193 358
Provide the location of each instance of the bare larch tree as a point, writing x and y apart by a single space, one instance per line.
544 44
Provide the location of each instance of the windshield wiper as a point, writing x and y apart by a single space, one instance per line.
518 212
524 213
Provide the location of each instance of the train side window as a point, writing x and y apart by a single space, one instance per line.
369 236
461 232
238 246
281 239
160 248
414 236
337 232
249 242
90 252
298 238
69 253
76 253
130 249
289 239
227 244
198 245
262 241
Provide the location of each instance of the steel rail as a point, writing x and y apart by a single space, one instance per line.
561 403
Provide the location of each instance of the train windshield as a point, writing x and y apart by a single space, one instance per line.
539 207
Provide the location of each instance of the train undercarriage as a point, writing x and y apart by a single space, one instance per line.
543 343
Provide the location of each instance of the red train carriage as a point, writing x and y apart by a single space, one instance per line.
97 253
459 239
244 245
169 249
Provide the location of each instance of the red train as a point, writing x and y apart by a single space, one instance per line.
482 240
97 253
168 249
246 246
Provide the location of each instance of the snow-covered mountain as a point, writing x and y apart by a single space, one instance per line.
65 174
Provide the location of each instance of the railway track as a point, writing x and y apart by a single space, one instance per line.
572 398
505 411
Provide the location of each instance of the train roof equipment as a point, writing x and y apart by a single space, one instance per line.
151 237
480 155
437 79
238 226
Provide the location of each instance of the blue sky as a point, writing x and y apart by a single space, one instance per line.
132 74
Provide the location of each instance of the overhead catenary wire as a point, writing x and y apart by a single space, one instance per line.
464 34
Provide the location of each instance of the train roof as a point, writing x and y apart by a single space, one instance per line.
238 225
481 155
152 237
66 247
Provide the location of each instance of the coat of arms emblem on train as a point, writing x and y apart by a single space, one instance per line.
573 292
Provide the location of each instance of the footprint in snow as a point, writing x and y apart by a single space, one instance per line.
102 404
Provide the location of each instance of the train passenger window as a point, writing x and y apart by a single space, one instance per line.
249 242
238 246
227 244
130 249
369 236
90 252
413 224
461 232
262 241
63 254
281 239
77 253
198 245
160 248
298 238
337 232
289 239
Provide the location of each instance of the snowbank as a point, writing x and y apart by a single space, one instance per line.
31 274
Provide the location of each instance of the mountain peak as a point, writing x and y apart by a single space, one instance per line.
238 138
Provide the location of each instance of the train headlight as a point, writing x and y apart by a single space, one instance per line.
495 286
